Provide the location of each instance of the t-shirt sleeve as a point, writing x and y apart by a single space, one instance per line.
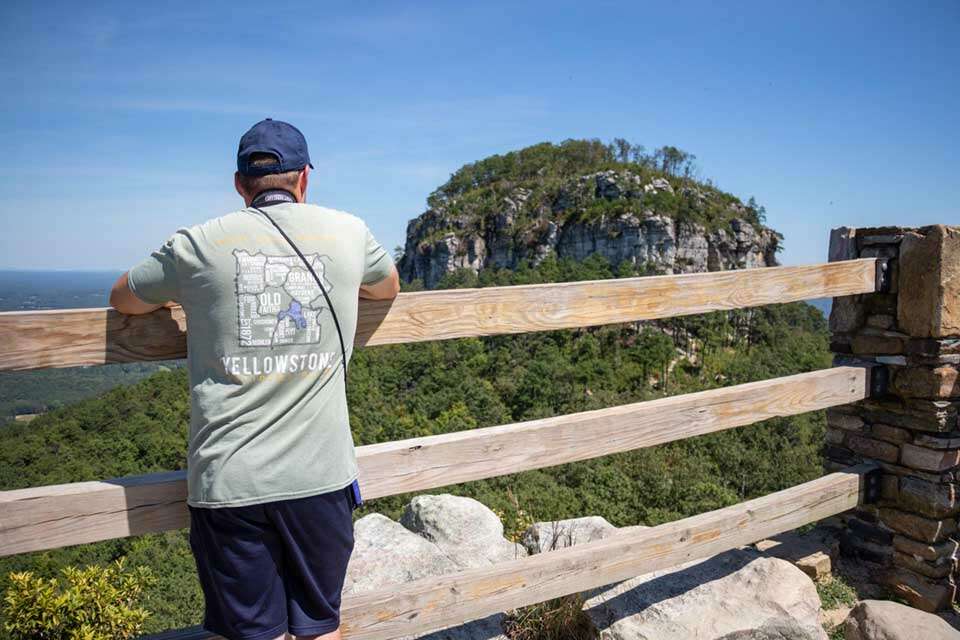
377 262
155 280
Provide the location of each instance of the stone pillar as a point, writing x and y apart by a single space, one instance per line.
912 329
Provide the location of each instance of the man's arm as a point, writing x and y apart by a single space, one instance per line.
124 300
384 289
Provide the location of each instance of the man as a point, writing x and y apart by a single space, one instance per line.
271 466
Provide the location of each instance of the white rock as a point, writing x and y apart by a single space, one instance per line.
734 596
661 184
386 554
885 620
490 628
465 529
557 534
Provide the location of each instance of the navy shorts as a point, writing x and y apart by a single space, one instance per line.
279 566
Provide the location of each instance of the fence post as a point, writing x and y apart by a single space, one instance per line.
911 328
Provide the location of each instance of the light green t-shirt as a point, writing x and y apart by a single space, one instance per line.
268 409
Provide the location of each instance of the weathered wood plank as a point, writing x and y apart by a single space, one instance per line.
423 463
65 338
77 337
60 515
55 516
438 602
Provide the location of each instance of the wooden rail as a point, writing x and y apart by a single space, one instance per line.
434 603
55 516
60 515
66 338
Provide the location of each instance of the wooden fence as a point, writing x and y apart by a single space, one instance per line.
60 515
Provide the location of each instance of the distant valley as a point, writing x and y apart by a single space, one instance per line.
35 392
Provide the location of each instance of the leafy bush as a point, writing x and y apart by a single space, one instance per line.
835 592
94 603
558 619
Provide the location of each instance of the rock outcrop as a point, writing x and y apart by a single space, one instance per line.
463 528
387 553
548 536
885 620
614 214
739 595
557 534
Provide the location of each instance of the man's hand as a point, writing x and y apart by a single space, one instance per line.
125 301
386 289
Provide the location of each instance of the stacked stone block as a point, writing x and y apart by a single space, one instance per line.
909 426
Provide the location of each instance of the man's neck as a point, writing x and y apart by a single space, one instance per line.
273 196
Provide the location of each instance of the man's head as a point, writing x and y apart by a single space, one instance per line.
272 155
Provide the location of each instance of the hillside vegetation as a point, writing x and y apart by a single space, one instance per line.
550 172
418 389
30 392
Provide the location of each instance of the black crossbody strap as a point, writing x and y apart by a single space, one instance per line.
343 348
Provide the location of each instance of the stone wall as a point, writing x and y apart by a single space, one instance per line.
911 331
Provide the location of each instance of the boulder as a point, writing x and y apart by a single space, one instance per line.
737 595
557 534
463 528
786 629
386 554
886 620
489 628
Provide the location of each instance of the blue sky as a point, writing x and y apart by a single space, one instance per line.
120 121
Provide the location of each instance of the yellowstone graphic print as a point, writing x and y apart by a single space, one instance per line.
278 301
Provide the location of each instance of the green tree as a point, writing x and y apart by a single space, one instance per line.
675 162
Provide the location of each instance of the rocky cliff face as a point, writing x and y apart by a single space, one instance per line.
651 223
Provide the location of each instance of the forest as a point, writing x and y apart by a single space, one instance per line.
550 175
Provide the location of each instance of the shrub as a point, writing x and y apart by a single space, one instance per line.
94 603
835 593
558 619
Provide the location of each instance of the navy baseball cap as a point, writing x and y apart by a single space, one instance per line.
277 138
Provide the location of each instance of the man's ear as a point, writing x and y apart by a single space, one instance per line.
236 185
302 183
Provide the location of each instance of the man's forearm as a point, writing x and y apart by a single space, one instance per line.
124 300
385 289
